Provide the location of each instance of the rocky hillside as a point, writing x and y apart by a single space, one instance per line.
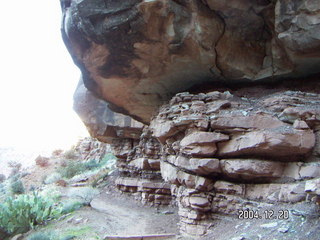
225 97
14 154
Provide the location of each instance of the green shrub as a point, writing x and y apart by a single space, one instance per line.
86 194
2 188
51 192
41 236
71 169
76 233
108 161
108 157
52 178
71 206
16 185
3 192
20 214
91 164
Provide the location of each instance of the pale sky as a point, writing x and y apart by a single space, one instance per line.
37 77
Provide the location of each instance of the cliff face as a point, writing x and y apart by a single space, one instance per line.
225 152
137 54
219 149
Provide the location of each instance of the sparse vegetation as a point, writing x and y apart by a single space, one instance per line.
22 210
72 168
52 193
73 233
19 214
71 206
16 185
2 178
3 191
70 154
15 167
41 236
53 178
85 194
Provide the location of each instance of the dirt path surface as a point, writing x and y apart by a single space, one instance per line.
302 223
127 217
114 214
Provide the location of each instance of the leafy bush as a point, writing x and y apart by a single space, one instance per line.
20 214
16 185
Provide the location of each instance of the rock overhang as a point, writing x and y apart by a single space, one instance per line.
137 54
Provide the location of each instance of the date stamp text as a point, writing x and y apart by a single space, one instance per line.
266 214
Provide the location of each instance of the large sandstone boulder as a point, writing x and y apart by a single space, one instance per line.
137 54
101 122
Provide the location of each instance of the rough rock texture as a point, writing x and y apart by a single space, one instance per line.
89 148
223 152
101 122
136 54
218 151
137 152
139 167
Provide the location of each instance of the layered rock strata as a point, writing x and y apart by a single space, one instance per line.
139 167
136 54
224 152
137 152
220 151
89 148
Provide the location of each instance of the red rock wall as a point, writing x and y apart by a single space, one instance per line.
220 151
139 167
223 152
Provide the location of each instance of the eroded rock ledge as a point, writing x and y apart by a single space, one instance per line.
218 151
137 54
138 153
222 152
